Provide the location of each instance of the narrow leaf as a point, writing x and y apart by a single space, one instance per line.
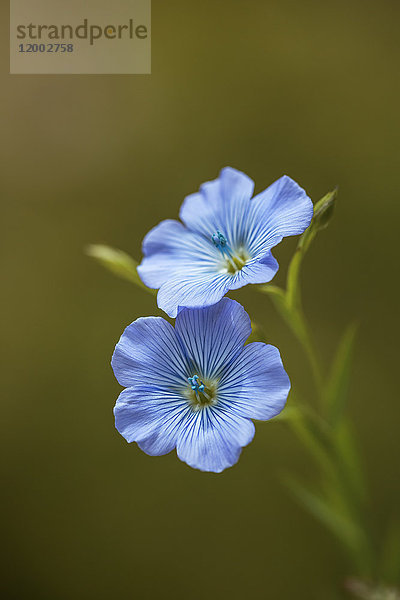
291 317
314 441
349 462
294 318
118 262
347 532
336 396
276 294
338 383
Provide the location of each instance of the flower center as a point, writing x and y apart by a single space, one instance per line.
201 395
233 260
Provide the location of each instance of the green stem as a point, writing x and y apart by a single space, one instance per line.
319 429
320 438
340 501
299 328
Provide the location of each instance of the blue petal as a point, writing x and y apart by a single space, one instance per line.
235 185
212 439
282 209
200 286
255 271
149 352
213 336
220 204
150 417
184 263
192 287
170 248
256 385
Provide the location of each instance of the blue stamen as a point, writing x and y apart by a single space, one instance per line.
219 239
235 262
196 384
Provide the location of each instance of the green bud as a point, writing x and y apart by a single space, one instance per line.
323 212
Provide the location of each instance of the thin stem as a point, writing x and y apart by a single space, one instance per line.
319 429
322 441
304 337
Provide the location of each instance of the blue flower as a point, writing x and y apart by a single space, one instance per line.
224 242
196 387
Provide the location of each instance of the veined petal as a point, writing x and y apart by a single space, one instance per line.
201 215
255 271
220 205
235 185
212 439
152 418
281 210
196 265
213 336
170 248
149 352
195 287
256 385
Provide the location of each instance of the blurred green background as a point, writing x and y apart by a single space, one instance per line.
307 88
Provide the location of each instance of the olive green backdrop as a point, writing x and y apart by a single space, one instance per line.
307 88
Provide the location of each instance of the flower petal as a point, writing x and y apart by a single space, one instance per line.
170 248
152 418
184 262
220 205
149 352
255 271
235 185
212 439
213 336
282 209
193 288
256 385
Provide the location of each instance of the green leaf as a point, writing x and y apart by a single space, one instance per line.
336 396
346 531
118 262
276 294
342 527
323 211
314 439
294 318
350 463
291 317
338 383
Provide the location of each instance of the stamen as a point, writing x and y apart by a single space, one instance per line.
235 260
219 239
199 388
195 385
